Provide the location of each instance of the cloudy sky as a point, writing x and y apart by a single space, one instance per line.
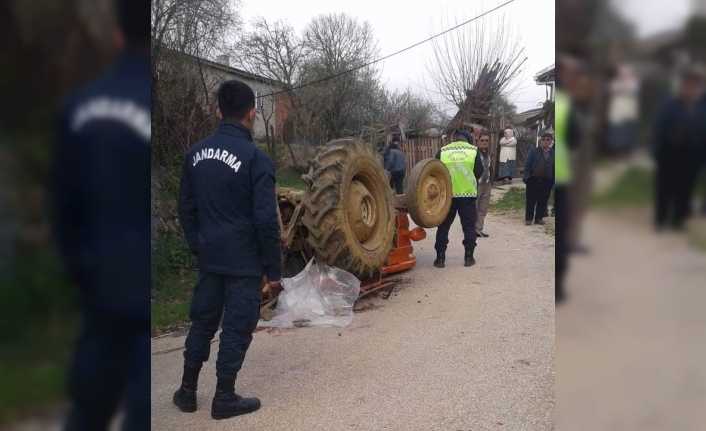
654 16
401 23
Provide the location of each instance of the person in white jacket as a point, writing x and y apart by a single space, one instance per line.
508 154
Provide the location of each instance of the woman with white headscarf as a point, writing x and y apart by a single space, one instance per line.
623 111
508 154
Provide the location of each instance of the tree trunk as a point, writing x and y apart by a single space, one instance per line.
291 153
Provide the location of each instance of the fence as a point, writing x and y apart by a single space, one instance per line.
416 150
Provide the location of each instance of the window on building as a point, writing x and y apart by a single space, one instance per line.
258 101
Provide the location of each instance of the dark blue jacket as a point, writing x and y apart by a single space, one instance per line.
537 167
395 161
227 205
678 127
100 205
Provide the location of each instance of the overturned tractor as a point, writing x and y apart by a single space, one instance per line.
349 218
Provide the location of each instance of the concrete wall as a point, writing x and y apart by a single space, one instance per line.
214 76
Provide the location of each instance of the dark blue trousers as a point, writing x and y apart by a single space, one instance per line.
561 238
466 208
111 366
240 298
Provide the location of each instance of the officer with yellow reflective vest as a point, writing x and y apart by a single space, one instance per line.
562 175
465 165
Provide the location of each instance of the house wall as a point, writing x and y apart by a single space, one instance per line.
283 126
214 77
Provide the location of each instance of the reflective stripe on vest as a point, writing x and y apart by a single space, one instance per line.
562 108
459 158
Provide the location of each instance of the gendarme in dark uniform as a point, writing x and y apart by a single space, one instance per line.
101 224
227 209
465 165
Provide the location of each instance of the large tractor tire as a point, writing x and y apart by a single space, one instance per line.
429 193
348 208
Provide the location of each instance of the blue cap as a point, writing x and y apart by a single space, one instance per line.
465 134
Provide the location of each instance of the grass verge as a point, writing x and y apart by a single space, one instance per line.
633 189
290 178
174 273
512 200
40 318
699 244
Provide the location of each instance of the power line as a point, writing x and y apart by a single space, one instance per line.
390 55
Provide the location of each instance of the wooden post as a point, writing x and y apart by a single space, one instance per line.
495 150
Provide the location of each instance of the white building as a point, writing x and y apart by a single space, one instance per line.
272 111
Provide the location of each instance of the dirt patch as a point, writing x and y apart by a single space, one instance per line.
518 218
302 153
362 307
271 330
173 332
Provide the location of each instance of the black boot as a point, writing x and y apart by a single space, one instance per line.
468 258
185 397
560 296
440 259
227 403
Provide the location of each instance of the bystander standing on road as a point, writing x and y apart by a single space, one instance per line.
539 177
679 150
485 186
553 213
508 154
623 112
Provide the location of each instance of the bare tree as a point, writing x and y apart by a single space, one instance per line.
267 111
183 32
406 108
333 44
203 28
273 50
344 105
502 112
474 64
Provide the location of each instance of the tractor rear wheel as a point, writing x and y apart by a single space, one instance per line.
429 193
349 207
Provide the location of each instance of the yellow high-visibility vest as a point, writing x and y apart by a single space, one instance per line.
460 159
562 108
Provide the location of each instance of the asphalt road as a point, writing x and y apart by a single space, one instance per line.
455 349
630 342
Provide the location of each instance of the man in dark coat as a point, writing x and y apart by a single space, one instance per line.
101 223
396 166
679 150
539 177
227 209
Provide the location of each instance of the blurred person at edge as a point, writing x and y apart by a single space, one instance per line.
623 111
579 85
565 140
703 189
679 150
101 221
